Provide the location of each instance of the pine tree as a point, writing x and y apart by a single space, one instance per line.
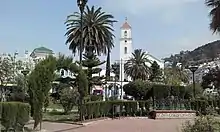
91 62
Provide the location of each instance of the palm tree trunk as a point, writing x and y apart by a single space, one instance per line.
108 66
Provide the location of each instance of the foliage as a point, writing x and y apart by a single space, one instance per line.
82 84
14 115
39 82
202 124
60 117
175 76
200 55
6 73
69 98
97 30
136 66
156 72
138 89
96 97
98 109
116 70
214 14
211 78
142 90
66 63
91 62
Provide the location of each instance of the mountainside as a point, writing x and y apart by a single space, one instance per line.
202 54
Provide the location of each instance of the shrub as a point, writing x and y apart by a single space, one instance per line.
97 109
96 97
138 89
69 98
202 124
14 115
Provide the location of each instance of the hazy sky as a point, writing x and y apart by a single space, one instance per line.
160 27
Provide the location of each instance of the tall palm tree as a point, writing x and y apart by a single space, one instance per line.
215 14
97 31
136 66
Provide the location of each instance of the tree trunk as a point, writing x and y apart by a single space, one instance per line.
108 66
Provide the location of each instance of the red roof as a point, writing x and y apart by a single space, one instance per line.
126 26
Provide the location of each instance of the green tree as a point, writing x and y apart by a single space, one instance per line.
156 72
6 73
136 66
39 82
215 14
97 30
82 84
116 70
137 89
175 76
91 62
68 98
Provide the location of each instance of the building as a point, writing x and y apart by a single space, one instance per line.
40 53
126 51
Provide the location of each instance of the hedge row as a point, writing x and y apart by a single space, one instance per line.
14 115
97 109
164 91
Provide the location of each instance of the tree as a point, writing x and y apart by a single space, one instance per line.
212 78
82 84
116 70
138 89
91 62
136 66
215 14
175 76
39 82
6 73
97 30
156 72
69 98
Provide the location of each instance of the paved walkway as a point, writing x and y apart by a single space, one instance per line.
120 125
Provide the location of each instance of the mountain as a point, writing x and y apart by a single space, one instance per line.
202 54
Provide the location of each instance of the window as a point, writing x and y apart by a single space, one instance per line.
125 34
126 50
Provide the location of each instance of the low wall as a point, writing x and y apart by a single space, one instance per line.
175 114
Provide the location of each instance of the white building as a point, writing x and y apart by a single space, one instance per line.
126 50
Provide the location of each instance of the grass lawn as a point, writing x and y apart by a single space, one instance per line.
55 116
59 106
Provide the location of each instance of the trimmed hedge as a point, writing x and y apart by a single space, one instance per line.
98 109
14 115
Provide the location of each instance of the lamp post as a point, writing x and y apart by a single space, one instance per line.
193 70
25 72
81 4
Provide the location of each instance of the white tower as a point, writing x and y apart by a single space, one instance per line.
125 48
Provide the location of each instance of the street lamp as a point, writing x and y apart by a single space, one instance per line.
81 4
25 72
193 70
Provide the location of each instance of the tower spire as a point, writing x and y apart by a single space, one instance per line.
126 25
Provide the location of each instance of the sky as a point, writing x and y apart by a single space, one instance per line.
160 27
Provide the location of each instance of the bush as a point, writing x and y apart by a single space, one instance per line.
14 115
69 98
97 109
138 89
96 97
203 124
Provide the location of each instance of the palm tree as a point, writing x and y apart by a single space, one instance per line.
136 66
215 14
97 31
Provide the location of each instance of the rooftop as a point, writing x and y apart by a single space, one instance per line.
125 25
